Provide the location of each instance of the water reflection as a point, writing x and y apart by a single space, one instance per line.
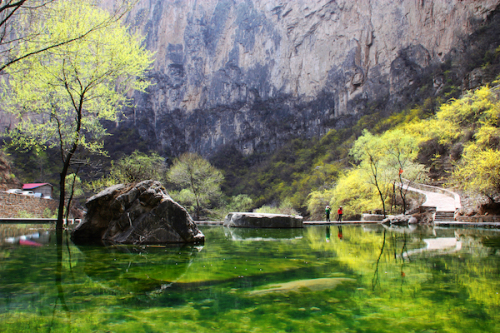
363 279
257 235
340 235
24 235
135 269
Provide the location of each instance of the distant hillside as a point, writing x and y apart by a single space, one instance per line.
8 179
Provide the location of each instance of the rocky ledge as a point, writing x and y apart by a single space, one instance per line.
140 213
256 220
418 218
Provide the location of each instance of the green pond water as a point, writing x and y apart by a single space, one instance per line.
316 279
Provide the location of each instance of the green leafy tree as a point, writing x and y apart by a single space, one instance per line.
317 201
386 159
371 152
131 169
240 203
355 193
139 166
22 23
199 180
401 150
285 207
62 95
352 191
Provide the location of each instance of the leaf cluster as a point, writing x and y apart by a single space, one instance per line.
471 125
199 182
133 168
61 96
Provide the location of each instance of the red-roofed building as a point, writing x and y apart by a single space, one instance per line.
44 188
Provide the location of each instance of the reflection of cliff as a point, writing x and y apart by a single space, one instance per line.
255 73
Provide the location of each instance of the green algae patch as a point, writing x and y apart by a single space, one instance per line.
299 285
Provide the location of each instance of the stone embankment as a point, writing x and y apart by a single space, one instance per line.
12 205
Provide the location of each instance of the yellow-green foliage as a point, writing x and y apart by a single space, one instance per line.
284 208
454 119
368 186
472 121
316 202
355 193
479 170
74 87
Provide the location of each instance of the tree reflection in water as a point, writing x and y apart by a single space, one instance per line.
186 289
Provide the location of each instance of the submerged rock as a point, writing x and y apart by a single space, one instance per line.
257 220
140 213
296 286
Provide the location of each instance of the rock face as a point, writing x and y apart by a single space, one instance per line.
256 73
136 214
255 220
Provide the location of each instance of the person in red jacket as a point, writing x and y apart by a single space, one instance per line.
340 212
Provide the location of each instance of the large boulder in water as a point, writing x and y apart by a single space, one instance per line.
258 220
140 213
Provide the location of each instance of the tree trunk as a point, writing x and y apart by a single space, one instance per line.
381 199
62 195
403 194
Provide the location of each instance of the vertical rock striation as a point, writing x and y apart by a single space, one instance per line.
256 73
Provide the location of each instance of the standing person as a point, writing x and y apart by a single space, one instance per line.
327 213
340 212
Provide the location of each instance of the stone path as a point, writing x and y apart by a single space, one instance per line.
445 201
442 202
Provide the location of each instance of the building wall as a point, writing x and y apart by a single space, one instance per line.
46 190
12 204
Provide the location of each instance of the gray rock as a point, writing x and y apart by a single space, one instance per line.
419 218
372 217
397 220
140 213
423 218
256 220
256 74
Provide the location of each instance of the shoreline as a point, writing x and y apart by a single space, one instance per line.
494 225
490 225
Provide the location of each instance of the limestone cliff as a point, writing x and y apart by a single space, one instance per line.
256 73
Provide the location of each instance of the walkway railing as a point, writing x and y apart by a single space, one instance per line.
435 189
